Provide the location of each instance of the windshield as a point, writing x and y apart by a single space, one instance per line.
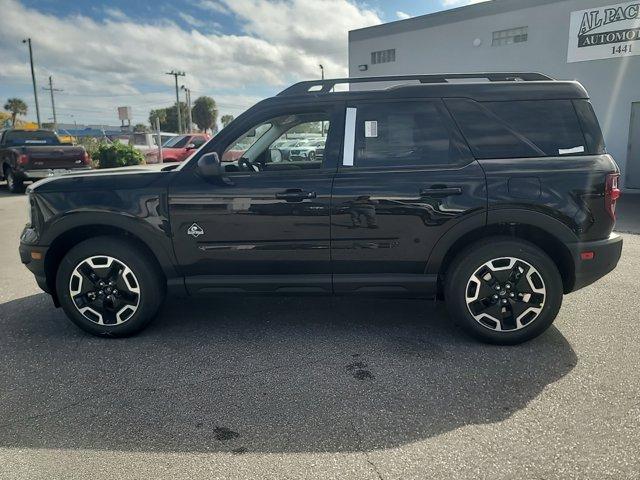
176 142
27 137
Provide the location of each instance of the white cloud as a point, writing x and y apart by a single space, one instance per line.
402 15
191 20
283 41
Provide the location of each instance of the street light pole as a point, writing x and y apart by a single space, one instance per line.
53 103
33 79
321 71
177 74
187 94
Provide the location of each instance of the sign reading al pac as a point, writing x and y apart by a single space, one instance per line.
611 31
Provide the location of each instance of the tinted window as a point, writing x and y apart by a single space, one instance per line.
590 127
402 133
28 137
198 141
519 129
139 139
177 142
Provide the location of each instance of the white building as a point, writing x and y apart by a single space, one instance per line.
593 41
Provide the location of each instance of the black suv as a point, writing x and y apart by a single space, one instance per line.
495 193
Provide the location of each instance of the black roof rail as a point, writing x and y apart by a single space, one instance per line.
325 86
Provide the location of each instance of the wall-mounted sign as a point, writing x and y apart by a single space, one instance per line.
605 32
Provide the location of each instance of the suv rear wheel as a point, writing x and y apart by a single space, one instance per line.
503 291
109 286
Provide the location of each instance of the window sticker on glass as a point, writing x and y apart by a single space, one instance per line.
569 151
371 129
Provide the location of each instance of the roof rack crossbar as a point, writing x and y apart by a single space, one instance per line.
325 86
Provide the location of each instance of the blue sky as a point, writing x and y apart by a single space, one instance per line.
105 54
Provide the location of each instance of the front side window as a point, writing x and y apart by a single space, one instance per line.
198 141
177 142
403 134
287 142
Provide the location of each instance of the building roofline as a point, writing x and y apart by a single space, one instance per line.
460 14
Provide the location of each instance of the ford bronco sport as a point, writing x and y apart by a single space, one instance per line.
495 193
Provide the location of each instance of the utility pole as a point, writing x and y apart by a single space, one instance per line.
187 93
33 79
53 103
177 74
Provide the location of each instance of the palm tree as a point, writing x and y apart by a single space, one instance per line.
16 107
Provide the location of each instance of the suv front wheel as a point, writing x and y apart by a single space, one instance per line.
503 291
109 286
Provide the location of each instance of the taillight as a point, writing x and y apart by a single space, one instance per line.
611 194
23 159
86 159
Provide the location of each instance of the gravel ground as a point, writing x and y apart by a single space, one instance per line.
316 388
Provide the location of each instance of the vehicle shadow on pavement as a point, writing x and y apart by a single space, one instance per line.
261 375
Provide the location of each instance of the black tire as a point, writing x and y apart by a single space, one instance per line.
147 275
459 287
13 184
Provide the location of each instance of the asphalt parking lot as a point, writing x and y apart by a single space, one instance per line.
288 388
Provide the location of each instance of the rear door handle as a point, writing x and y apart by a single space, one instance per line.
295 195
443 191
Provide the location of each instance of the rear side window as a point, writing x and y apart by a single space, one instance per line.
30 137
403 134
590 127
520 128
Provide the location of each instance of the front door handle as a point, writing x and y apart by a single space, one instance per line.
440 191
295 195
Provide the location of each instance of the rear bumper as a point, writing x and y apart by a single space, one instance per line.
47 172
606 254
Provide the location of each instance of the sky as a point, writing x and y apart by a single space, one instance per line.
115 53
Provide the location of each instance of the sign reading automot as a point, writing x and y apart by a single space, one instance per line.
605 32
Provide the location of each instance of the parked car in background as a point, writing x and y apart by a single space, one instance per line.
310 150
29 155
286 146
178 148
147 143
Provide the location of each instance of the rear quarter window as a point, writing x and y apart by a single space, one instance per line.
520 128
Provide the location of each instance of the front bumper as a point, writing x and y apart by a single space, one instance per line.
32 256
606 254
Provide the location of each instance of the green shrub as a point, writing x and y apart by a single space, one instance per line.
115 155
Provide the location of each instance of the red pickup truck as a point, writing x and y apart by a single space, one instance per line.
29 155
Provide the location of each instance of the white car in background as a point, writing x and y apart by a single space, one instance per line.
312 149
146 142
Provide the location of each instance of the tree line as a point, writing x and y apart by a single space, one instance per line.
204 114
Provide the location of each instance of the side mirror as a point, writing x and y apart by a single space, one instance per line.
209 166
190 146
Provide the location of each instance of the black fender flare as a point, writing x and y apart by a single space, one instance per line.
494 218
150 234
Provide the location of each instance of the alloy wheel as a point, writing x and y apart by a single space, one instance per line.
104 290
505 294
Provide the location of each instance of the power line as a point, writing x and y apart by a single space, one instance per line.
177 74
53 103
